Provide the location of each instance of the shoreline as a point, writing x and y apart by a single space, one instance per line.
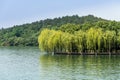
77 53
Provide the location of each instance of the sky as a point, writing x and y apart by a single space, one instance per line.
17 12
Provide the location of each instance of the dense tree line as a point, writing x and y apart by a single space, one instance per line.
91 40
27 34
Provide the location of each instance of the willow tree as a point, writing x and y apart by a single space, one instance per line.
109 39
94 39
51 42
43 39
91 39
67 41
79 40
99 37
57 41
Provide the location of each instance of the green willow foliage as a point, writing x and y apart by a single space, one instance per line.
93 39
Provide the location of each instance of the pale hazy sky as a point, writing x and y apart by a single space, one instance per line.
15 12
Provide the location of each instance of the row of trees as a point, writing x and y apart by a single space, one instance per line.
91 40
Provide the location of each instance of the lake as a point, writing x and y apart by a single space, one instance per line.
28 63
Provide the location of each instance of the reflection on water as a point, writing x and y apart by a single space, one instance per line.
28 63
74 67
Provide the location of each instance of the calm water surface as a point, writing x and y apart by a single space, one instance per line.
29 63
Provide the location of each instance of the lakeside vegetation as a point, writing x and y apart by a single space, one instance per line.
27 34
66 34
93 39
100 37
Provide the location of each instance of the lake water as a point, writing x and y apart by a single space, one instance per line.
29 63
